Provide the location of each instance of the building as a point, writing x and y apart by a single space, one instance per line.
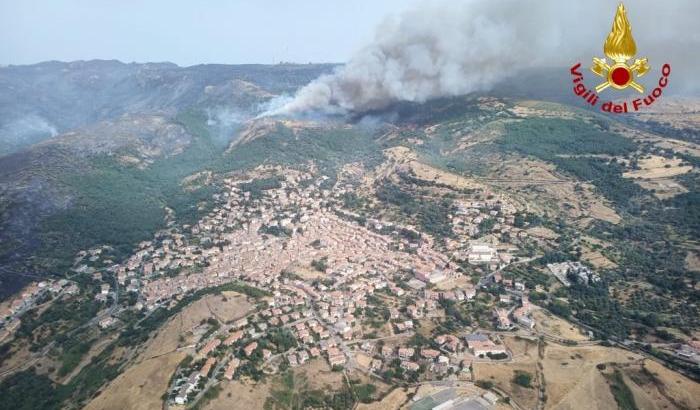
567 271
406 352
233 338
481 345
248 350
449 342
502 321
231 368
335 357
387 351
521 317
480 253
204 372
209 347
107 322
435 276
188 387
408 365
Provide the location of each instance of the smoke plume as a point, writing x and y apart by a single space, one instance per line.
445 49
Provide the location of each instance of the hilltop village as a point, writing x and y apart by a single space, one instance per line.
348 290
331 284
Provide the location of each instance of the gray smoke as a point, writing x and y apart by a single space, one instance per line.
24 131
445 49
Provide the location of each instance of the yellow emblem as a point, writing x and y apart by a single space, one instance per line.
620 47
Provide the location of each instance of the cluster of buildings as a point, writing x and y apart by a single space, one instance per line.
242 248
569 270
11 310
321 266
470 216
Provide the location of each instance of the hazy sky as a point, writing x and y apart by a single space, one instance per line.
189 31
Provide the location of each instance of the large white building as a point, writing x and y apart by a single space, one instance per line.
480 253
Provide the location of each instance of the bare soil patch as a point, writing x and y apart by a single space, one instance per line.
555 326
658 167
140 386
392 401
240 395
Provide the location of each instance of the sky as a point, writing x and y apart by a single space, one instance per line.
189 32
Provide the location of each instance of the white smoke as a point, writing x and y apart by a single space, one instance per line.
446 49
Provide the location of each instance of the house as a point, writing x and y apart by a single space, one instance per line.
502 321
387 351
406 352
292 359
408 365
429 353
248 350
231 368
233 338
469 293
335 357
449 342
394 313
414 311
107 322
303 356
209 347
204 372
521 316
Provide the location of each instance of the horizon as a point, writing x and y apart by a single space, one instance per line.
187 34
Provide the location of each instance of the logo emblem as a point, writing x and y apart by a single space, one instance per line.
620 48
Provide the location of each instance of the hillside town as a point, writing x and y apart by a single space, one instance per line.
350 291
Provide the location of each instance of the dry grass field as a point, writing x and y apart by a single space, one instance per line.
144 382
656 173
140 387
574 377
555 326
240 395
525 355
655 166
392 401
537 184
